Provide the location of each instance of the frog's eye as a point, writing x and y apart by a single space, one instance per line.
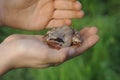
59 40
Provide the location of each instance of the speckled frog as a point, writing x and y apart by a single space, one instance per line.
63 37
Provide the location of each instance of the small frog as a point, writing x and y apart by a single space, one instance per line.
63 37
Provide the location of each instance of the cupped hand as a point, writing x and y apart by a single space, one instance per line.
39 14
31 51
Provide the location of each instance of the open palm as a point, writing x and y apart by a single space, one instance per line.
31 51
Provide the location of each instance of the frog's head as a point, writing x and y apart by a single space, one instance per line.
54 39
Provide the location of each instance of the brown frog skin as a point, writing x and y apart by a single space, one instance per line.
63 37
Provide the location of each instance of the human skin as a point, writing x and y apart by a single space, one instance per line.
23 51
30 51
39 14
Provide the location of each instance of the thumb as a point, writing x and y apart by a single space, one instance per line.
60 56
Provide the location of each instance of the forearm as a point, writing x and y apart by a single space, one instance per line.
5 60
0 18
4 67
1 12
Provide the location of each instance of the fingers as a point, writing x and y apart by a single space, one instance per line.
65 10
89 32
84 30
90 38
87 44
67 5
91 41
63 14
68 9
58 22
63 17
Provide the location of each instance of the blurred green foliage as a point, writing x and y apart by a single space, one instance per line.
102 62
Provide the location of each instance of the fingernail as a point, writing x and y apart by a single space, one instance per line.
78 5
81 14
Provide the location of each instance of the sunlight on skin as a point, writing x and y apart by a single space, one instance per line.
20 51
39 54
39 14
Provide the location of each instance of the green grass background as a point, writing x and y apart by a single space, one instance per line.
102 62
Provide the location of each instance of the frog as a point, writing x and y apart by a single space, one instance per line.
62 37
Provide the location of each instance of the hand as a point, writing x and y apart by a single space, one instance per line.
39 14
30 50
